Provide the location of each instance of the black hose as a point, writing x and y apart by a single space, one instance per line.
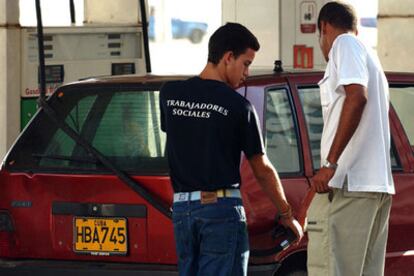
42 75
72 12
145 35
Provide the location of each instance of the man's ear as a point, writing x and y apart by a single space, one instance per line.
324 25
227 57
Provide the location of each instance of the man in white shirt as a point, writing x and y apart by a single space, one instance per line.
348 217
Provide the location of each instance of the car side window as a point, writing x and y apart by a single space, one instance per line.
312 110
281 137
123 125
402 99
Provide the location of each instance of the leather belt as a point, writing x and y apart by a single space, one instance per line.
196 195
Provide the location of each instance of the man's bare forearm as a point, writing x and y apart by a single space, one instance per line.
269 180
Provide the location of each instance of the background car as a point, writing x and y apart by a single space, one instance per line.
85 188
192 30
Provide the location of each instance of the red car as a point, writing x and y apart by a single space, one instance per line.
85 188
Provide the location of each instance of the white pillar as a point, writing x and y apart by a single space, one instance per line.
396 34
9 74
112 12
263 18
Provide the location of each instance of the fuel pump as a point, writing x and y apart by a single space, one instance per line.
77 52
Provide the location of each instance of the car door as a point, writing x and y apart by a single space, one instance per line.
400 248
273 102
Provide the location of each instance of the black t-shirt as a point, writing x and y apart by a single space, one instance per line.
208 124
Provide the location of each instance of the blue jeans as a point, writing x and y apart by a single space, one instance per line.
211 239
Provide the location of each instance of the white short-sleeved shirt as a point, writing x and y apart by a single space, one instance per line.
366 159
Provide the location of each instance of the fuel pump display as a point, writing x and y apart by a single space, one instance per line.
73 53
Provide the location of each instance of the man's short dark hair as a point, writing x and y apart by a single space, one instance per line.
231 37
339 15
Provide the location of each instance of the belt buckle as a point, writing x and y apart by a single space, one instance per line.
221 193
208 197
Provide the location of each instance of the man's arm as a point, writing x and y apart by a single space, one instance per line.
269 180
353 107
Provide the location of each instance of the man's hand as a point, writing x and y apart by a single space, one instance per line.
293 224
269 180
319 183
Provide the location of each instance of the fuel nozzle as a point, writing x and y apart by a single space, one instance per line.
290 237
285 235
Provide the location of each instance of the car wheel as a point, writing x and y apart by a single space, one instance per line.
196 36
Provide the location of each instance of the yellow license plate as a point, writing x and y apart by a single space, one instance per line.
100 236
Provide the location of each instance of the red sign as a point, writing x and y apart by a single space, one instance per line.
302 56
34 92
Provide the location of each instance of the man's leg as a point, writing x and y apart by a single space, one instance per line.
241 256
351 221
317 228
186 245
339 232
223 238
375 259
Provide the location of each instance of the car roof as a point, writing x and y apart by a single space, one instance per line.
146 78
152 78
255 74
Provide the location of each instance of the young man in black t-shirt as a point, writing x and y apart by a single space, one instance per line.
208 125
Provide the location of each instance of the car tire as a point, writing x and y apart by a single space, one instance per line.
196 36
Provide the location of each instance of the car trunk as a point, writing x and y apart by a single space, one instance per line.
93 217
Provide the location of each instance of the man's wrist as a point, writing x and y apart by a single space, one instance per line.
329 165
286 212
